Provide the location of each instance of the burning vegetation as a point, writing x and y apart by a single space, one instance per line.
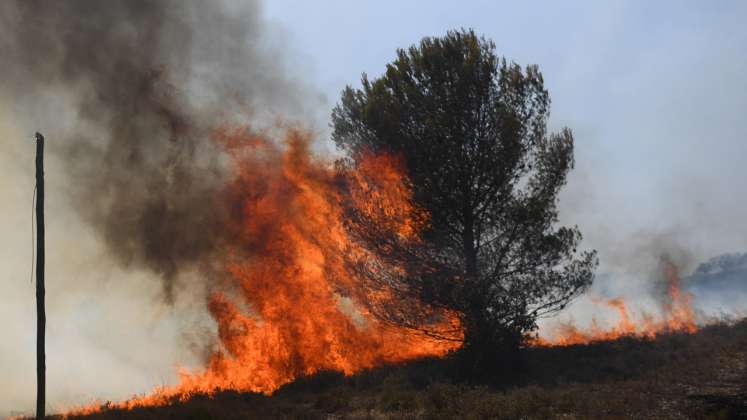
292 302
677 315
289 305
435 233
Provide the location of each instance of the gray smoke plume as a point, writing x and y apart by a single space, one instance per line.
127 93
142 83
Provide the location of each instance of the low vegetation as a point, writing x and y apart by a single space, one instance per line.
703 375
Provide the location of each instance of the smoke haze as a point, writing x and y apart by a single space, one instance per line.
127 93
142 84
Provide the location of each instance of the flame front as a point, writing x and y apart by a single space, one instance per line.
289 305
298 322
677 316
280 312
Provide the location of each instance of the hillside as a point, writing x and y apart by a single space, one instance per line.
703 375
720 283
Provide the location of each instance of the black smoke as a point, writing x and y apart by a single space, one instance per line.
144 83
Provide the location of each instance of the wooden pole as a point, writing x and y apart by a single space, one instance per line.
41 317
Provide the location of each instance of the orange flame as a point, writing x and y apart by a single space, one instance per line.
281 313
289 305
677 316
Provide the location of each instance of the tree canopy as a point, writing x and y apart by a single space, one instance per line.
471 129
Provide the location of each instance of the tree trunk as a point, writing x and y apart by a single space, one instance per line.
41 317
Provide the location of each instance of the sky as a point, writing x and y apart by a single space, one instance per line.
654 92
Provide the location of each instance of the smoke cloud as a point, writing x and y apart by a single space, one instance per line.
143 83
127 94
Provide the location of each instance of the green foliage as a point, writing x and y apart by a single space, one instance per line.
471 129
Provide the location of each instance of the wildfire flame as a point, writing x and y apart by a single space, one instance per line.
289 305
677 316
280 313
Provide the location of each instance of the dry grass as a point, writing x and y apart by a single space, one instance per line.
676 376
